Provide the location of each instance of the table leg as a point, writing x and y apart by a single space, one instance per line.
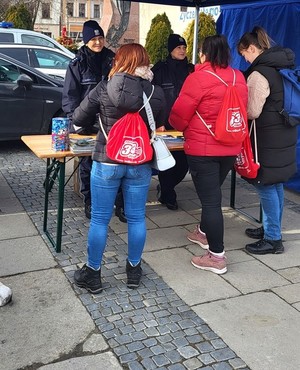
55 170
232 200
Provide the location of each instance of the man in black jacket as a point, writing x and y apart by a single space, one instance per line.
170 75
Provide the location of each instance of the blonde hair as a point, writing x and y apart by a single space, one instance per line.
128 57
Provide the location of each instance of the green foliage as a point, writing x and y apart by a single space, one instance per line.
207 27
157 38
161 18
20 16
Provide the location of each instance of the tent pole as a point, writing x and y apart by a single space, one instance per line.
196 30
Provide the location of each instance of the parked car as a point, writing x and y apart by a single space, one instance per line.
19 36
29 100
50 61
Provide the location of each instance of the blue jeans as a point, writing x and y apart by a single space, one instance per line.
272 200
105 182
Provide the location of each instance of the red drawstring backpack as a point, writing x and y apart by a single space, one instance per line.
128 141
246 164
231 124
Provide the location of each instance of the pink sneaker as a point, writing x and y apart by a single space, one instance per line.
198 237
211 263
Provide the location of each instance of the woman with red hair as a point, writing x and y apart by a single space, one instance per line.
123 93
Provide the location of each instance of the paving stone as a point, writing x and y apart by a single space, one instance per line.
192 364
173 356
188 352
160 360
176 367
223 354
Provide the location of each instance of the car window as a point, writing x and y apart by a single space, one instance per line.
52 60
19 54
36 40
6 37
9 72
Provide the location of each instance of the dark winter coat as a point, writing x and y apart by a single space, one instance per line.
276 142
84 72
170 75
113 99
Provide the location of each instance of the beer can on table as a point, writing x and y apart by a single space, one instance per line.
60 134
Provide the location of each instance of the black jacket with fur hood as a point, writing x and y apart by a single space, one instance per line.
122 94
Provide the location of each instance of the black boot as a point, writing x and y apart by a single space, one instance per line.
266 247
255 233
134 274
119 212
89 279
88 210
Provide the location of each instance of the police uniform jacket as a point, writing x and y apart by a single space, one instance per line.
84 72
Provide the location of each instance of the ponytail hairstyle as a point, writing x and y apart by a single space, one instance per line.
257 37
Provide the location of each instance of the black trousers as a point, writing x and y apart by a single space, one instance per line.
85 168
170 178
208 175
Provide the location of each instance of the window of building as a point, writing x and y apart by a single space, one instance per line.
81 10
70 9
46 10
96 11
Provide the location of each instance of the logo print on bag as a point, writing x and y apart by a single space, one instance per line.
235 119
131 149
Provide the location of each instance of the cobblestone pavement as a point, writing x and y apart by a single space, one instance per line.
147 328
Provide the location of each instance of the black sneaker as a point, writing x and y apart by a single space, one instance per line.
255 233
89 279
88 210
265 247
134 274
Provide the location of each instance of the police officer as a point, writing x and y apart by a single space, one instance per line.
91 65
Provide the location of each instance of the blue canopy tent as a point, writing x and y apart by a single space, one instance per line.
281 19
282 22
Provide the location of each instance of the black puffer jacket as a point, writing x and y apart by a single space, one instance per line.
113 99
170 75
276 142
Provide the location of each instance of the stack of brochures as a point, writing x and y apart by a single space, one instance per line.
173 141
84 145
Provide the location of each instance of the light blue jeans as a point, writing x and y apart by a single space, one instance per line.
105 182
272 201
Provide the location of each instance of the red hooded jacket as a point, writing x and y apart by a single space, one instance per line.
204 92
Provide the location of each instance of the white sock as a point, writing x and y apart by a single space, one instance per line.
200 231
133 264
222 254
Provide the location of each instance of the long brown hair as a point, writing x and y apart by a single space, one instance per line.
128 57
257 37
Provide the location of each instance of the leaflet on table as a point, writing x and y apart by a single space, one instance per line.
172 140
85 145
